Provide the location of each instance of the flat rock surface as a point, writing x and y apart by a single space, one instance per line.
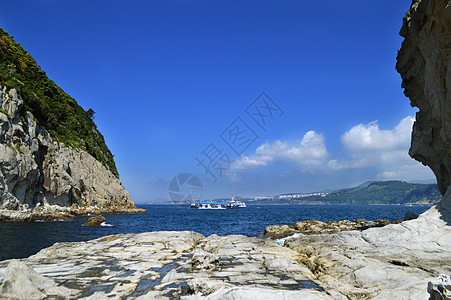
163 264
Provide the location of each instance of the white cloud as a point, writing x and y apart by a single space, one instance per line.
414 171
388 175
395 157
369 137
367 145
379 154
311 150
353 163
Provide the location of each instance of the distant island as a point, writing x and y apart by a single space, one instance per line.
371 192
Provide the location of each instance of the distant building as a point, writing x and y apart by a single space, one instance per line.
303 195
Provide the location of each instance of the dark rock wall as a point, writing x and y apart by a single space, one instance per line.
424 63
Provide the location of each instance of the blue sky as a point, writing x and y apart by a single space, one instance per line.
166 78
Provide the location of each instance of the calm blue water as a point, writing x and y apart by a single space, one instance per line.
19 240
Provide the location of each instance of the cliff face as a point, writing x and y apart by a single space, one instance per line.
65 120
424 63
41 179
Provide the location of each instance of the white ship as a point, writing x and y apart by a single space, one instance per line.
219 205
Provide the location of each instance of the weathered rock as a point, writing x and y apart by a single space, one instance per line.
278 232
410 216
202 260
41 179
174 265
22 282
261 293
424 65
401 258
393 262
95 221
318 227
440 289
48 213
205 287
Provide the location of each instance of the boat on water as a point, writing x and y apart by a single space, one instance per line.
219 205
210 206
240 204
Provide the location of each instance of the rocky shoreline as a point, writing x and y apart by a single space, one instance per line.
60 213
161 265
392 262
309 227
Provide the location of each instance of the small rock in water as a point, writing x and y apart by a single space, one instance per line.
410 216
95 221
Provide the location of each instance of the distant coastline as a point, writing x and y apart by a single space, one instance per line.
368 193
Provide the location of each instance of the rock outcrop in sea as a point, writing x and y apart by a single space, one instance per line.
308 227
41 179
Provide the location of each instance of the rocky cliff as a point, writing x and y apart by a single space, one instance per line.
54 163
41 179
424 63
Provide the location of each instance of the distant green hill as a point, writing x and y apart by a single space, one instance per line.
376 192
386 192
53 109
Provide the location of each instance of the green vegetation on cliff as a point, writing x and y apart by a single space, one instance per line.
55 110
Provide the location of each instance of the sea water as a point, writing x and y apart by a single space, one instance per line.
18 240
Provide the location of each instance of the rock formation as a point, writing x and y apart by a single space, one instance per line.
22 282
393 262
424 63
317 227
440 288
162 265
95 221
41 179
